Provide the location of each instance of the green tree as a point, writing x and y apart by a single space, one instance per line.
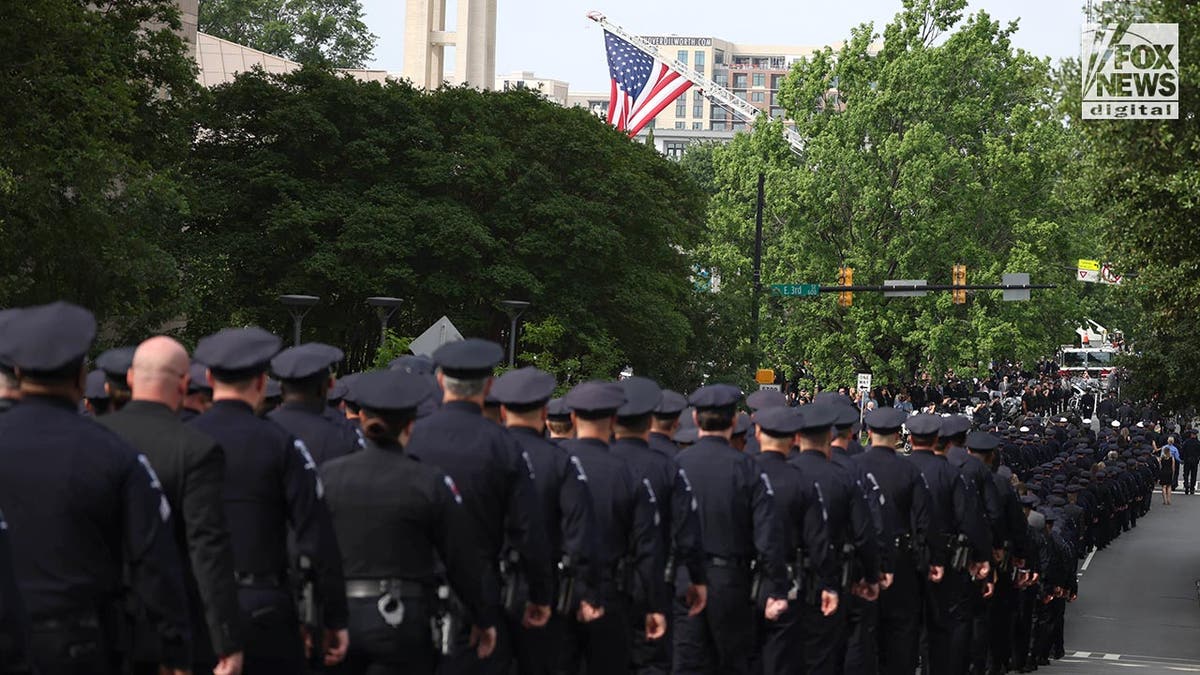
943 148
312 32
451 200
1144 182
93 112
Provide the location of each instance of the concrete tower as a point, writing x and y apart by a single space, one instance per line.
474 40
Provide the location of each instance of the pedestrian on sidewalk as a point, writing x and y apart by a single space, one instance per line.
1178 460
1166 473
1191 459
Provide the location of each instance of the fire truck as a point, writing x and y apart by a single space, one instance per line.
1095 356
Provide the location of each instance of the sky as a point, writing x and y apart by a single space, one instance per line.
554 38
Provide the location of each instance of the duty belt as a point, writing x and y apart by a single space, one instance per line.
254 580
67 621
373 588
727 563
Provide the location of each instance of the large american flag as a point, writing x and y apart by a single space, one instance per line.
641 85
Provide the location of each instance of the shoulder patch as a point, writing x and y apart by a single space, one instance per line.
528 463
164 507
876 489
821 502
453 489
653 501
309 463
579 469
362 440
687 484
767 483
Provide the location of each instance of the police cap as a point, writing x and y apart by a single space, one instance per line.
93 388
47 340
779 422
346 383
524 388
1036 519
742 424
417 365
845 416
766 398
237 353
642 396
390 390
557 409
686 436
198 378
595 398
671 404
305 361
337 392
274 390
832 397
715 396
116 362
954 425
982 441
817 417
924 425
885 420
1030 501
471 359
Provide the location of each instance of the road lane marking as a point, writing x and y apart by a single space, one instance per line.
1088 561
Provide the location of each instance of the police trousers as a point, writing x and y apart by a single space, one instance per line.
72 648
273 642
379 649
824 637
781 642
862 644
721 638
899 620
947 620
600 646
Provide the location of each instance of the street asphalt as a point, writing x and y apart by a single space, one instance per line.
1138 609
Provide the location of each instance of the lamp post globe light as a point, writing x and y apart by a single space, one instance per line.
514 309
298 306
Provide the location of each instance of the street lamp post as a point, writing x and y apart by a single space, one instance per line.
298 306
385 307
514 309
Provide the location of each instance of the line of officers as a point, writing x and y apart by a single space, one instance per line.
404 531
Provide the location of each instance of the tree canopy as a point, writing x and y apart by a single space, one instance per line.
943 148
312 32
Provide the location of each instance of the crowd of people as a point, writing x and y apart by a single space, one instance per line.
169 512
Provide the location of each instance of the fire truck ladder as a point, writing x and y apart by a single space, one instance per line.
709 89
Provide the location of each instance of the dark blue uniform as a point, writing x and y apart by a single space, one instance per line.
83 509
271 486
14 622
738 527
803 527
498 493
906 522
570 529
627 523
679 540
853 546
325 437
400 524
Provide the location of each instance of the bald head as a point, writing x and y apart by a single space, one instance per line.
159 372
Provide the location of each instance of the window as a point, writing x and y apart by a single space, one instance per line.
756 97
698 126
719 57
698 109
776 80
681 56
681 125
681 105
722 79
697 96
777 113
719 126
740 94
674 149
718 113
761 62
760 80
742 61
739 80
699 60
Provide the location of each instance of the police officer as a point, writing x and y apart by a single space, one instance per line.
803 525
191 467
854 541
199 393
498 490
960 543
14 622
55 466
627 523
566 507
740 535
907 522
558 421
304 374
763 399
395 519
115 363
95 395
679 526
666 422
271 484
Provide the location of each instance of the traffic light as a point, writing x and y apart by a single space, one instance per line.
845 278
959 278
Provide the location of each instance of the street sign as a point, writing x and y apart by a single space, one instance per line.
796 290
441 332
1019 279
764 376
864 382
904 294
770 387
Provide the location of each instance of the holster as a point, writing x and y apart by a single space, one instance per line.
510 573
960 553
850 572
444 621
565 602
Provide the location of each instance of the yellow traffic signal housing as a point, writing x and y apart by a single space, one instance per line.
845 278
959 278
